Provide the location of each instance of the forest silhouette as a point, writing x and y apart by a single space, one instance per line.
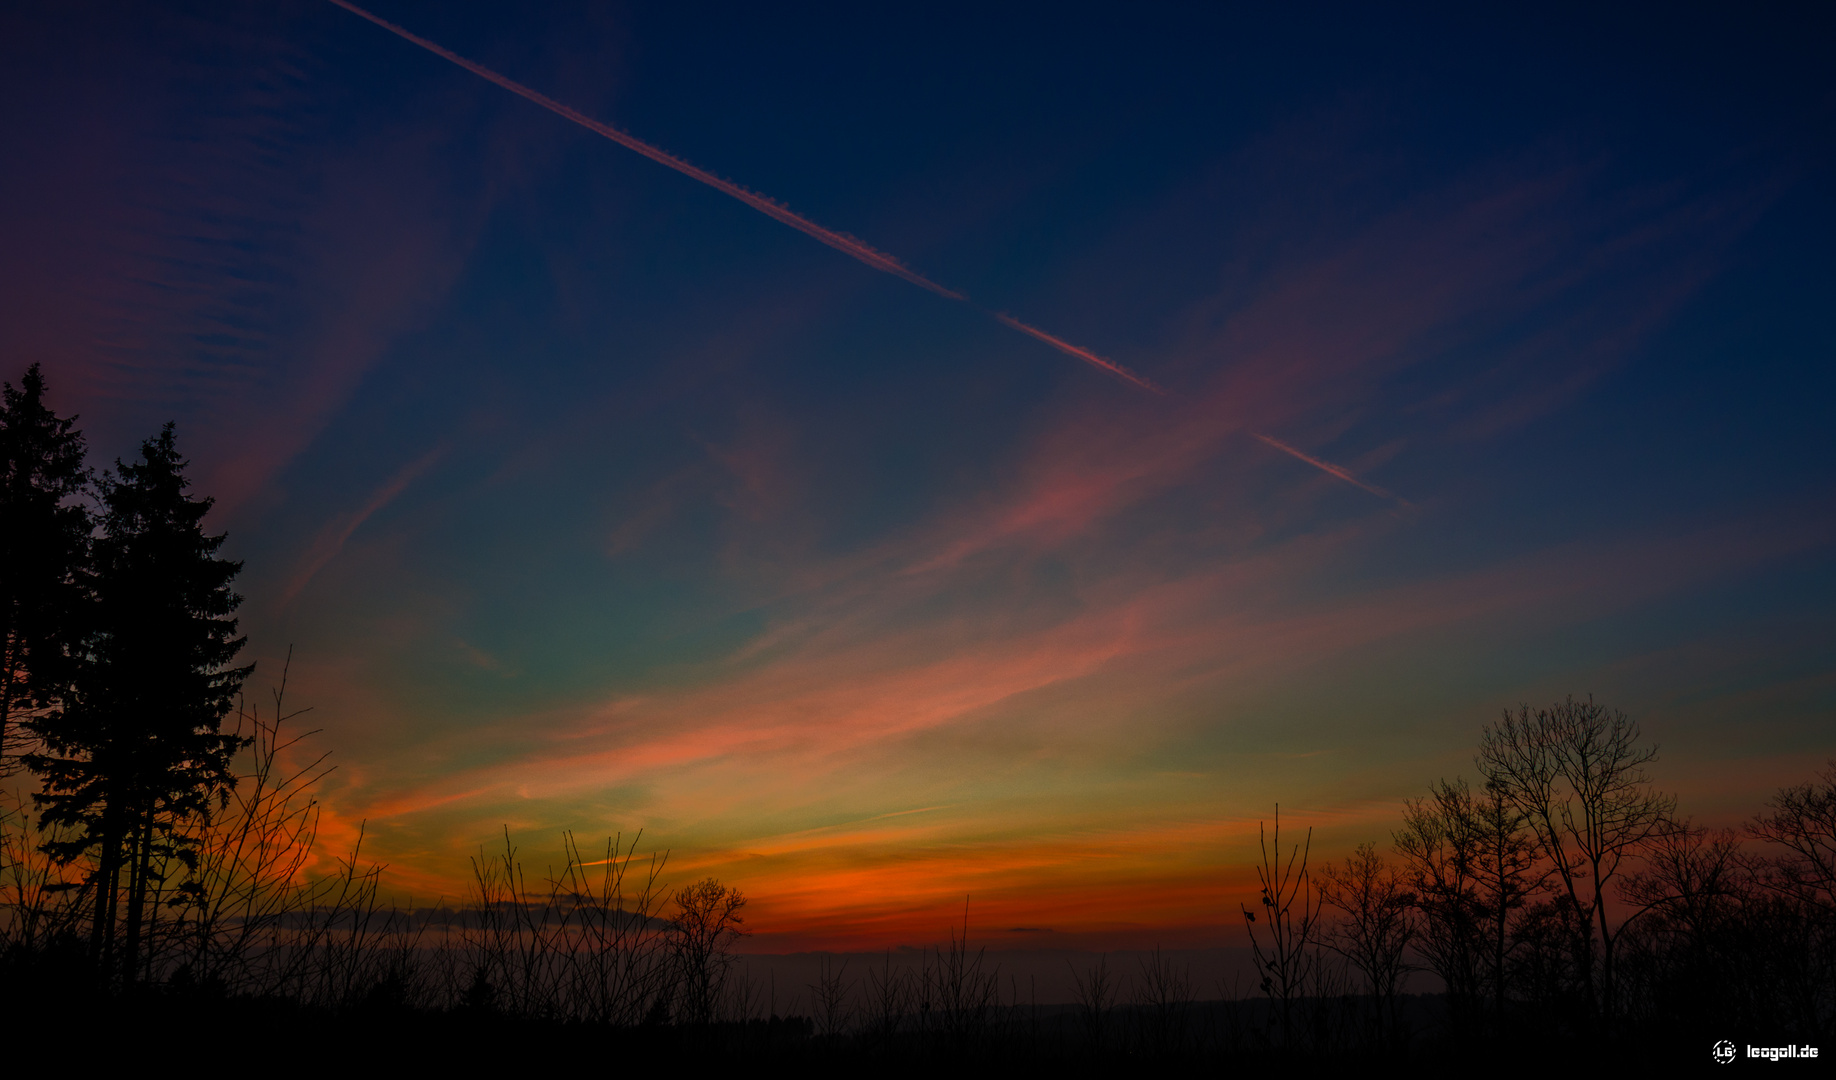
162 878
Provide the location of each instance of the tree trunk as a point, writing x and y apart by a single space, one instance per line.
102 931
6 691
139 854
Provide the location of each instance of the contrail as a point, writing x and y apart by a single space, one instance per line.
1327 466
841 242
331 539
1072 350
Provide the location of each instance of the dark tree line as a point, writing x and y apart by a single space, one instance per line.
1564 896
120 647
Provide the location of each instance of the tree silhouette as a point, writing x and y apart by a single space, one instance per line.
1439 845
1576 772
1802 820
42 547
1472 865
701 936
1378 927
1506 875
137 748
1800 881
1291 913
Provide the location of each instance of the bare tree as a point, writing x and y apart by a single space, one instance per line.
1163 1001
701 937
1378 927
889 994
514 940
614 958
1439 845
1693 877
959 996
829 999
1096 999
1291 915
1576 772
1802 880
249 877
1506 875
1802 820
39 904
1703 944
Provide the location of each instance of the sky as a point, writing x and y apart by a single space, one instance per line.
1071 431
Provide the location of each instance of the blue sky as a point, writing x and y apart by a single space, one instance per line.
589 497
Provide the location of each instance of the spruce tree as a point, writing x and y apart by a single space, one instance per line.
138 749
44 534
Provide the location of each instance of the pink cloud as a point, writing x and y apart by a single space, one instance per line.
841 697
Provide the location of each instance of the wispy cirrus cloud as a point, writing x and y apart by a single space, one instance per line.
861 714
1326 334
861 687
332 537
240 274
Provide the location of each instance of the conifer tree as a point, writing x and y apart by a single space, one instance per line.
44 537
138 749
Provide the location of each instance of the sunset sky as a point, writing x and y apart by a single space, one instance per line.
1465 360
